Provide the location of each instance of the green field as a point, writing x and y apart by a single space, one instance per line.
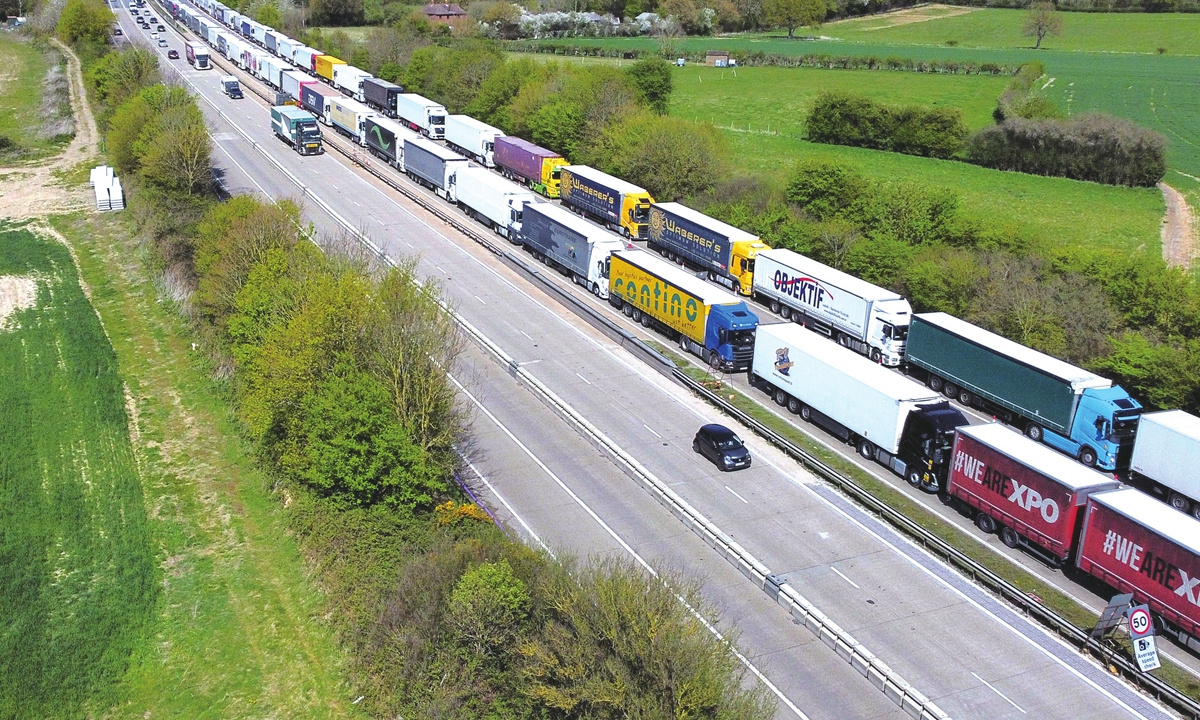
23 67
77 589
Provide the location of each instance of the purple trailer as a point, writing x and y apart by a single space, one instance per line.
530 164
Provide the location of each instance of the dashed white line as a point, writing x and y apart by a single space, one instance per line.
526 334
589 382
993 688
735 494
481 300
842 575
439 267
652 431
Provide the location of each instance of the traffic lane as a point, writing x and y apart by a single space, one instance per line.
806 672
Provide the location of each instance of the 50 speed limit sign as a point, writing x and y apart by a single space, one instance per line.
1140 624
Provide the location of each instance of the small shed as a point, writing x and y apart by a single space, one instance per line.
717 58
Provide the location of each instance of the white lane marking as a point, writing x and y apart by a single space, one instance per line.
652 431
633 553
993 687
356 203
842 575
589 382
480 300
439 267
526 334
492 488
414 247
735 494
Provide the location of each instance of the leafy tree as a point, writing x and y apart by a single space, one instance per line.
653 81
118 76
496 93
826 189
85 21
1164 375
792 14
672 158
488 607
343 13
1042 20
392 72
268 14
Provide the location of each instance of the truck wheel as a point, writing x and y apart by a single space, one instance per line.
1034 431
683 344
805 413
914 478
950 390
793 406
1087 456
866 449
986 523
785 312
628 310
714 360
780 397
1196 511
646 320
637 315
1009 537
965 397
775 306
876 356
935 383
1179 502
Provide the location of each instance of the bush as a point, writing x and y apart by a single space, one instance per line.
672 158
846 119
84 21
1098 148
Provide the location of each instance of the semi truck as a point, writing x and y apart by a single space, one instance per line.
569 243
433 166
271 41
231 87
297 128
385 139
271 69
491 200
197 55
422 114
349 80
292 82
305 58
1166 458
622 206
709 322
350 117
1032 495
323 66
287 49
381 95
1138 545
858 315
725 252
522 161
472 138
317 99
891 419
1070 409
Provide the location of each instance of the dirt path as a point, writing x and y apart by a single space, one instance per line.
34 190
905 16
1179 239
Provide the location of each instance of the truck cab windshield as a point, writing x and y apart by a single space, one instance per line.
1123 428
741 337
438 120
641 214
309 130
556 172
894 332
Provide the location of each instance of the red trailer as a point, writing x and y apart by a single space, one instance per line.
1140 545
1032 494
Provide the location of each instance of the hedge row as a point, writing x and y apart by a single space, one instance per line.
845 119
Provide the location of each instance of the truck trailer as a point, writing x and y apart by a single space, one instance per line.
421 114
522 161
317 99
725 252
197 56
709 322
433 166
385 139
271 69
297 128
271 41
1070 409
472 138
349 80
381 95
858 315
622 206
1032 495
1138 545
350 118
891 419
292 82
1166 458
491 200
287 49
305 58
323 66
569 243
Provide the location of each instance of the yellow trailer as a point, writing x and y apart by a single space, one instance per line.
324 65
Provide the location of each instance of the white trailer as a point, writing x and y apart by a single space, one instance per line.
287 49
212 34
1166 454
259 33
302 57
271 68
291 80
350 118
421 114
568 242
349 80
863 317
472 138
893 420
492 200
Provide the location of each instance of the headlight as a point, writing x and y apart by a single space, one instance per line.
726 459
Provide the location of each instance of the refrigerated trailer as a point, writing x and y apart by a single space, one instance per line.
1166 457
421 114
293 80
726 253
349 80
492 200
622 206
433 166
569 243
891 419
858 315
472 138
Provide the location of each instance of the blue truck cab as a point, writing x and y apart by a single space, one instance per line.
730 333
1105 423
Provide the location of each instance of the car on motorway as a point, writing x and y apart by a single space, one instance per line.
117 31
162 42
154 36
134 12
162 28
173 55
722 446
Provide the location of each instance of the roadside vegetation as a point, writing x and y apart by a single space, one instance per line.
35 117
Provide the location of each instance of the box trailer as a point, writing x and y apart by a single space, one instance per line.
1166 457
317 98
297 128
1031 494
433 166
213 36
421 114
349 80
197 56
271 41
522 161
892 420
305 58
622 206
726 253
385 139
1138 545
491 200
863 317
324 65
708 322
350 118
1068 408
472 138
271 69
287 49
571 244
292 81
258 32
381 95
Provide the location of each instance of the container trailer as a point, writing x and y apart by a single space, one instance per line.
726 253
472 138
571 244
350 117
891 419
381 95
258 32
491 200
349 80
622 206
709 322
292 81
858 315
323 65
522 161
297 128
197 55
433 166
271 69
317 98
1072 410
421 114
385 139
1166 458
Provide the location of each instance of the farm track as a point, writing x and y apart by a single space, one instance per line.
1179 229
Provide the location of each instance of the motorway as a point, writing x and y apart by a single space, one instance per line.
970 654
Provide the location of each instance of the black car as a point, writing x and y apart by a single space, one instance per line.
173 55
719 444
162 28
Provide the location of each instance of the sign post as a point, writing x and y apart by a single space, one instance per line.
1141 631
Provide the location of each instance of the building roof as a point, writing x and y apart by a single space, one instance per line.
717 52
444 10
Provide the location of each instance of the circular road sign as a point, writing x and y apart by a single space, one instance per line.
1139 622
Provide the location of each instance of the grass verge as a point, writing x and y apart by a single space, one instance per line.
25 65
239 629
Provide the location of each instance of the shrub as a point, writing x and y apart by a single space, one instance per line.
846 119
